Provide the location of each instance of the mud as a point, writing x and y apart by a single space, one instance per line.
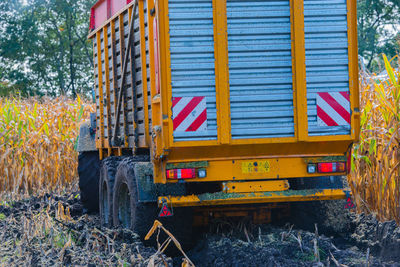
33 233
383 238
276 246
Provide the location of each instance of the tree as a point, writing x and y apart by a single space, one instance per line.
43 46
378 30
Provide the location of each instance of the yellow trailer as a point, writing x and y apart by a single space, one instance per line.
222 102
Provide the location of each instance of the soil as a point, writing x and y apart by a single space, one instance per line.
40 231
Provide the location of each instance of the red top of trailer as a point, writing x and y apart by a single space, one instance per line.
104 10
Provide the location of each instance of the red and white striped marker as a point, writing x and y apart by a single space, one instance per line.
333 109
189 114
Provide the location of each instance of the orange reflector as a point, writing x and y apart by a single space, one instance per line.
330 167
181 174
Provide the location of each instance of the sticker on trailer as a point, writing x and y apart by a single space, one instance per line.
333 109
253 167
189 114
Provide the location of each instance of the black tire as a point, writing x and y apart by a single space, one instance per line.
128 212
106 187
89 173
139 217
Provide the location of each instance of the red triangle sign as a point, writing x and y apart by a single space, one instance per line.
165 212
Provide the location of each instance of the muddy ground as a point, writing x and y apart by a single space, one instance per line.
53 230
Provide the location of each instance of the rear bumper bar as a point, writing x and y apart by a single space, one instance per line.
221 198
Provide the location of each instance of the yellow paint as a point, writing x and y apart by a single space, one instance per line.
156 140
229 158
251 198
100 83
279 167
122 55
108 95
165 73
292 38
222 71
259 186
114 63
300 86
353 68
144 71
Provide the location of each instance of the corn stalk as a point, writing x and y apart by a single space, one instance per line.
376 159
37 138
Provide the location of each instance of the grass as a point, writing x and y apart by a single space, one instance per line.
375 177
37 138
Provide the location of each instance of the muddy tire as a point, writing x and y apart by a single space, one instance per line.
128 212
106 187
89 173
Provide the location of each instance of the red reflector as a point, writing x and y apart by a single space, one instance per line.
165 212
181 174
329 167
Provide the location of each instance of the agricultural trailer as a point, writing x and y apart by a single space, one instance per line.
213 108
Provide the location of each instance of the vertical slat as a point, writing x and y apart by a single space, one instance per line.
144 71
222 71
114 63
165 65
155 101
122 56
107 74
353 68
133 83
114 71
292 36
150 21
300 70
100 79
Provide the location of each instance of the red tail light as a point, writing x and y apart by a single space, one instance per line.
331 167
181 174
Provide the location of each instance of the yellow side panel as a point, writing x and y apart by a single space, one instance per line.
259 186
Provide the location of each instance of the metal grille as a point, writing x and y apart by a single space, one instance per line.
260 68
326 57
192 59
124 130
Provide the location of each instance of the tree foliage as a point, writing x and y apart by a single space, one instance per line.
378 30
44 49
43 46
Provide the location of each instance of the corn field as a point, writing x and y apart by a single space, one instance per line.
375 178
37 138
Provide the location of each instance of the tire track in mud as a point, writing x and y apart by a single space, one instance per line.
30 234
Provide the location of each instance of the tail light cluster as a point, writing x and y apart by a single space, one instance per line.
327 167
186 173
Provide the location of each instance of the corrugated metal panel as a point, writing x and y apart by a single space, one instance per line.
192 59
260 68
326 57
